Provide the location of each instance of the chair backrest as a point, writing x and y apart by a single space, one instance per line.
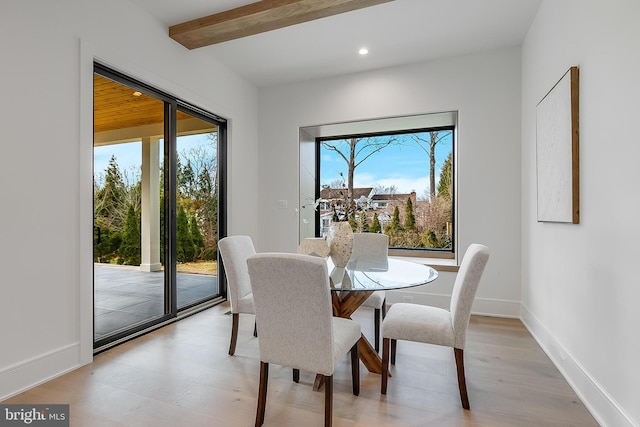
293 310
464 289
370 249
234 251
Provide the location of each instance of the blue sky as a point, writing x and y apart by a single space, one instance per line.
129 155
405 166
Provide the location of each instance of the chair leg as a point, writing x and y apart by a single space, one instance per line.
328 400
462 383
376 328
385 365
255 329
235 318
394 343
262 393
296 375
355 369
384 308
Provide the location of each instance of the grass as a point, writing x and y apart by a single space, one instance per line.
199 267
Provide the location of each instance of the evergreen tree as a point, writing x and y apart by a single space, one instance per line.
185 250
364 224
196 236
445 189
105 242
353 223
129 250
395 226
409 218
376 227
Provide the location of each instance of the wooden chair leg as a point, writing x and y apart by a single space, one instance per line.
462 383
385 365
328 400
235 318
394 343
262 393
355 369
376 328
296 375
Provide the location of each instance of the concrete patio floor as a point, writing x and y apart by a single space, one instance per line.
124 295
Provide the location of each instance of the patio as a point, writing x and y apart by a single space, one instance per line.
124 295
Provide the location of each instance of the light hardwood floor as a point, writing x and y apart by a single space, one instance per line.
181 375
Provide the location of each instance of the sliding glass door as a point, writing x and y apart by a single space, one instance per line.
156 207
197 209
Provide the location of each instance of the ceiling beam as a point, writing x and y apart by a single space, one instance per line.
259 17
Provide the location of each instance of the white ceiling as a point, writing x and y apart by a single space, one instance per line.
398 32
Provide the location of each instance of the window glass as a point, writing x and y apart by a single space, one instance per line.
399 183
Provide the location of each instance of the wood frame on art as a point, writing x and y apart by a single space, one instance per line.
557 154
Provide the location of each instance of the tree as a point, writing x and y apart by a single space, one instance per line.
375 224
381 189
196 236
409 217
395 226
445 188
105 242
129 250
434 137
198 187
109 201
185 250
363 226
354 151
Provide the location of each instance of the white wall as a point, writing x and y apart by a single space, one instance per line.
45 164
484 88
580 284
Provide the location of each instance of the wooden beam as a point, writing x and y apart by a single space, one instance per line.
259 17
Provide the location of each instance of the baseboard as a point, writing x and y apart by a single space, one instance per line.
30 373
481 306
601 405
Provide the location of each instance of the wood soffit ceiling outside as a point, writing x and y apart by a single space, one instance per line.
115 107
259 17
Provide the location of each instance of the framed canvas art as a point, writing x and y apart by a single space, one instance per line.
557 154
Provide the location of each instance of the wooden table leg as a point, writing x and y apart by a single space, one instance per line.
343 306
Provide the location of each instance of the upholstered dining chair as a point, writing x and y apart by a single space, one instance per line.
373 248
296 325
433 325
234 251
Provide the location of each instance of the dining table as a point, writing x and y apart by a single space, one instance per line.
353 284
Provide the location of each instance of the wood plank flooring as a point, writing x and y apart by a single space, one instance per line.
181 375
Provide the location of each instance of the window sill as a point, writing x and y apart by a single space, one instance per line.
440 264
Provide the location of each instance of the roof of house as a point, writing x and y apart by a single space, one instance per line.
339 193
392 197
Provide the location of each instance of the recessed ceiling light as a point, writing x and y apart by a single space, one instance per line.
136 93
363 51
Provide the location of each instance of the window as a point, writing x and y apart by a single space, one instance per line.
399 181
158 207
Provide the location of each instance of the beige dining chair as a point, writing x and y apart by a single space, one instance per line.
373 249
295 322
433 325
234 251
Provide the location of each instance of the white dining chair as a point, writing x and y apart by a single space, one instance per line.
296 326
433 325
373 249
234 251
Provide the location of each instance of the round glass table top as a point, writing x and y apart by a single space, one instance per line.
379 275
